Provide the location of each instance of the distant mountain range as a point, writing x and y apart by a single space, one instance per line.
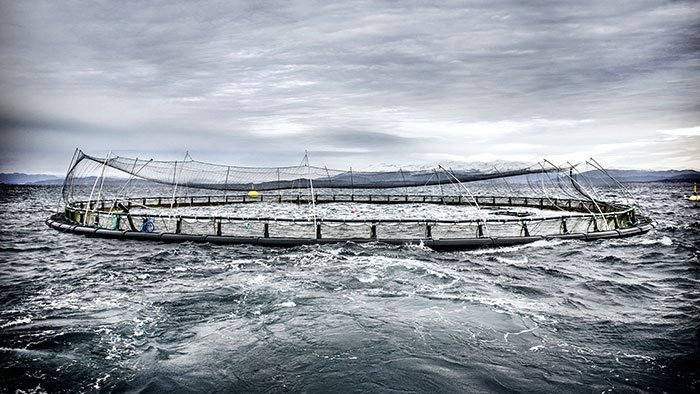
17 178
625 176
641 176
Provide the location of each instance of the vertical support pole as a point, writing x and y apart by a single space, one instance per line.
564 229
279 190
95 185
228 169
318 230
178 225
439 183
352 186
68 173
405 188
266 230
330 181
102 182
174 184
428 231
218 227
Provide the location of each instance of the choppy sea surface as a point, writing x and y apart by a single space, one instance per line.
95 315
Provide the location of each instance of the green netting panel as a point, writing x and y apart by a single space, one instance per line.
544 227
345 230
292 230
510 229
578 225
198 227
243 228
459 230
401 230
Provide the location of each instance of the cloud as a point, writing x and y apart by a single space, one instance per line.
683 132
358 82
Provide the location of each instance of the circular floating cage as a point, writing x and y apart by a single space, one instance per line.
441 208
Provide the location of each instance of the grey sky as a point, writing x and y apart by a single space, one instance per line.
355 83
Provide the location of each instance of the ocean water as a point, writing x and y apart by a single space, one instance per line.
93 315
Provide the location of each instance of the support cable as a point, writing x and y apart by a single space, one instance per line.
476 203
63 188
95 185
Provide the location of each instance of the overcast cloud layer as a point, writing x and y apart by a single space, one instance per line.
355 83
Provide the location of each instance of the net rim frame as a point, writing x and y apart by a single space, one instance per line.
623 210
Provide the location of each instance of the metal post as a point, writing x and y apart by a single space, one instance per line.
526 231
175 184
279 190
95 185
405 188
228 169
352 186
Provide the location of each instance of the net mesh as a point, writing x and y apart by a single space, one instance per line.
201 175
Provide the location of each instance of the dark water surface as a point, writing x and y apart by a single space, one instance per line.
94 315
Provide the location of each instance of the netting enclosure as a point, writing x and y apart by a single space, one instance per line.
442 208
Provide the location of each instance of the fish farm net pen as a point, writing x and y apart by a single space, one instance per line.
444 209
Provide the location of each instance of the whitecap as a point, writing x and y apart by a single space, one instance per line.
537 244
24 320
666 241
368 279
506 260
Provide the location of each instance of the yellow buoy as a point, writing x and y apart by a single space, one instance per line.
695 196
252 193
